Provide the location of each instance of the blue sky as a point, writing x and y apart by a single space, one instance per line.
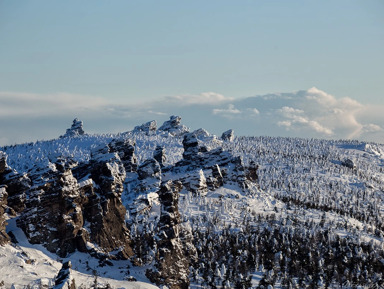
66 59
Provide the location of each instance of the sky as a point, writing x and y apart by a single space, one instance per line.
275 67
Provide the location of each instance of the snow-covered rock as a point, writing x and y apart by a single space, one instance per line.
175 252
4 238
64 279
174 127
75 130
228 135
148 127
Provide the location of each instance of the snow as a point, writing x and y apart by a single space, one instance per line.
304 171
33 265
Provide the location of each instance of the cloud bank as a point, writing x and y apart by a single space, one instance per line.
310 113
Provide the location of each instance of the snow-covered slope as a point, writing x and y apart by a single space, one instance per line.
312 214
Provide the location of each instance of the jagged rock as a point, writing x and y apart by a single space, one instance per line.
193 147
149 168
17 188
175 251
4 238
159 155
196 183
251 172
53 213
125 148
64 279
148 127
173 126
75 130
219 167
105 211
3 162
228 135
217 179
149 176
17 184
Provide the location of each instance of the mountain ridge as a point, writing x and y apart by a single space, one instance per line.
231 188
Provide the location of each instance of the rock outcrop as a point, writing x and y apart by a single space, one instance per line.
4 238
64 214
174 249
75 130
105 212
125 148
148 127
159 155
64 279
205 168
53 213
228 135
3 162
174 127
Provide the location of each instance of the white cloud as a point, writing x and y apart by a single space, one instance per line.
306 113
253 111
297 120
202 98
14 104
226 112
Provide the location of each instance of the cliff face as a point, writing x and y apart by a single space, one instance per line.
4 238
3 203
174 249
78 207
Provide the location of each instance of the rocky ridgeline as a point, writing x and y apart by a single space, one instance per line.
69 206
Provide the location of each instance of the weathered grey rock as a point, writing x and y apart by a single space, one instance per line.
4 238
53 213
195 183
174 127
159 155
64 215
174 249
64 279
228 135
17 185
149 176
148 127
217 179
125 148
75 130
105 211
3 162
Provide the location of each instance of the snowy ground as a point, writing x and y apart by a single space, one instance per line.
27 264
